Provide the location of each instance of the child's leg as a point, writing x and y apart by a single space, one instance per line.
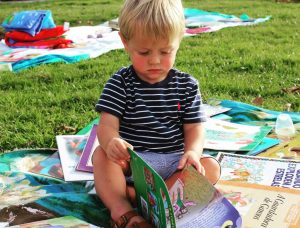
111 187
212 169
110 184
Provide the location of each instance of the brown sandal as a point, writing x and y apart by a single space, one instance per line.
123 221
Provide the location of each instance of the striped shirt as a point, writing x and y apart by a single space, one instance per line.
152 115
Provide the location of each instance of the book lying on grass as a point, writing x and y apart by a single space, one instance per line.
190 200
61 222
263 206
223 135
259 170
286 150
70 148
85 161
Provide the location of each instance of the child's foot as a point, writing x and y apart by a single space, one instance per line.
131 219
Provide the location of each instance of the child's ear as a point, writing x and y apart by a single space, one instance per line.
124 41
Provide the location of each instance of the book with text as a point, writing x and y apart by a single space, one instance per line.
259 170
188 201
263 206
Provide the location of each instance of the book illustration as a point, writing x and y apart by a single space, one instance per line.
51 166
223 135
189 200
61 222
212 110
259 170
85 161
289 150
70 148
263 206
265 144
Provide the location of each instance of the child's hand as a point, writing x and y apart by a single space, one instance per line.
191 158
117 150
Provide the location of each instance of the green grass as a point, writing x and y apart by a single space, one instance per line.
238 63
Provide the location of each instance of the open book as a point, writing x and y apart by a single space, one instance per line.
190 201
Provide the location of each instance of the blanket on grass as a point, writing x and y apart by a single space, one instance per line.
93 41
27 197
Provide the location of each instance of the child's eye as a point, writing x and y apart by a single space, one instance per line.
166 52
143 53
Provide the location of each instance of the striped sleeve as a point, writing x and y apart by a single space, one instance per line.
113 97
194 111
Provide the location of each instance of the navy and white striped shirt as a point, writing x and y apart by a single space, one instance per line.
152 115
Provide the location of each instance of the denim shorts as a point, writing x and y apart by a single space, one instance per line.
164 164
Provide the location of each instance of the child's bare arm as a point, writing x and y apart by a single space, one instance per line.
109 138
193 146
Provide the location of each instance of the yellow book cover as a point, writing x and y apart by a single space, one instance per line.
263 206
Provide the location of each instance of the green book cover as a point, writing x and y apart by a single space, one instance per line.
188 201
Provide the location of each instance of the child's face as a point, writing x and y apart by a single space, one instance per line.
151 58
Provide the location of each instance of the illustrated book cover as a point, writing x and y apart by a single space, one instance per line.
70 148
224 135
260 170
85 161
289 150
61 222
263 206
189 201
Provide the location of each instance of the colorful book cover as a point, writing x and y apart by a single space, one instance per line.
259 170
85 161
189 201
70 148
51 166
264 145
263 206
223 135
289 150
212 110
61 222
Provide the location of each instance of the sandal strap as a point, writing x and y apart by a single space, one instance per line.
124 219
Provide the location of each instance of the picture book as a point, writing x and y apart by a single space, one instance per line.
263 206
50 166
70 148
286 150
260 170
61 222
212 110
85 161
265 144
224 135
188 201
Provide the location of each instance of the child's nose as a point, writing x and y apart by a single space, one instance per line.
154 59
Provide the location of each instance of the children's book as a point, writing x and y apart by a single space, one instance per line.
286 150
265 144
50 166
85 161
224 135
61 222
259 170
70 148
212 110
188 201
263 206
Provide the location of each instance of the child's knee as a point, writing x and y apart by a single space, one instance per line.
98 155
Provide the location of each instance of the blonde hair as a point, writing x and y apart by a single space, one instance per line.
153 18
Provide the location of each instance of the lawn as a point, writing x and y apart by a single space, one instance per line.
239 63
